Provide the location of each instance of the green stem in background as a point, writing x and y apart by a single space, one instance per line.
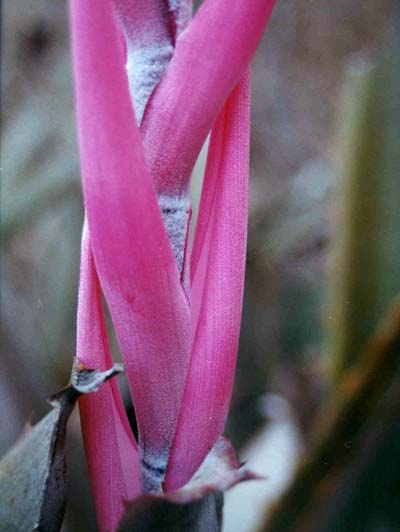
339 435
366 278
366 250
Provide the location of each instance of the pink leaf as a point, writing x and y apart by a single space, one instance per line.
210 58
133 256
217 290
111 451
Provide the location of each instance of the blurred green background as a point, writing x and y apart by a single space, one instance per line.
323 261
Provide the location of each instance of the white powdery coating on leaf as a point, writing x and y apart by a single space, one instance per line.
174 5
149 46
153 468
182 10
145 67
175 214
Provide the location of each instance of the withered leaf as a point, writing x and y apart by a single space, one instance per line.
149 513
33 471
197 506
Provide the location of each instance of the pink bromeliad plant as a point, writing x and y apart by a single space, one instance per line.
150 85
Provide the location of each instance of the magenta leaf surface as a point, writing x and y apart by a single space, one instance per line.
150 85
218 264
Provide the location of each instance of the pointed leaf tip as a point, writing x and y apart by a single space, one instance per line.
86 380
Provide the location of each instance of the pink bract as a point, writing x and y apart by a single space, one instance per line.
178 334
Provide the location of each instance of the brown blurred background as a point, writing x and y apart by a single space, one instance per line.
303 94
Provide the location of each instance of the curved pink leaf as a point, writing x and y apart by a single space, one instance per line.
217 290
150 28
209 60
133 257
111 451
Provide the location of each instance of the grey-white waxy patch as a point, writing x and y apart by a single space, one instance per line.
145 67
182 12
153 468
175 214
149 49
